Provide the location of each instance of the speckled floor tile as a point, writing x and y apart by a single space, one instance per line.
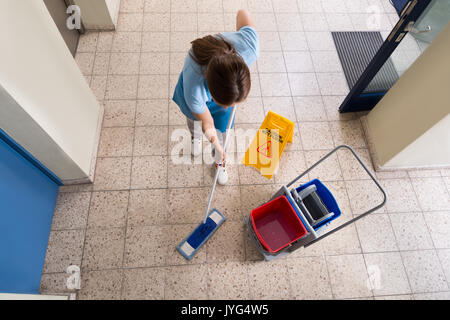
108 209
388 276
98 86
71 210
396 297
228 280
227 244
269 280
186 282
104 41
350 166
52 283
291 165
348 132
328 170
309 109
155 42
157 6
153 87
431 193
63 250
145 246
116 142
249 175
151 141
101 285
85 61
121 87
439 226
130 22
424 173
316 135
185 175
112 174
444 258
411 231
251 111
147 207
364 195
304 84
298 61
124 63
309 278
332 104
344 241
424 271
376 234
126 42
154 63
227 199
149 172
333 83
156 22
186 205
143 284
180 41
119 113
432 296
348 276
88 42
401 195
152 112
103 248
274 85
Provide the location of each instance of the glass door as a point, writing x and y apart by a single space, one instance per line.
419 22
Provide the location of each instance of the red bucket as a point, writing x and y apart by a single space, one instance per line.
277 225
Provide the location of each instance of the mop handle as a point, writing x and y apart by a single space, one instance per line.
225 143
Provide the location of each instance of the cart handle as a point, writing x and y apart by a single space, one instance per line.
358 217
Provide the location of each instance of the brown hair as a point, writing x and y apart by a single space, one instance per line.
227 75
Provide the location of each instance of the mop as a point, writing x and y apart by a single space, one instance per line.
213 219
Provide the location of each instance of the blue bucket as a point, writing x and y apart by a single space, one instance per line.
327 198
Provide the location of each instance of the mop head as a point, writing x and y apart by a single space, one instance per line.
192 243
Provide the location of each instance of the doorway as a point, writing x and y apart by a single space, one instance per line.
373 65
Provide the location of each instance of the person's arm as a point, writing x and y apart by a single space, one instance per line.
244 19
210 132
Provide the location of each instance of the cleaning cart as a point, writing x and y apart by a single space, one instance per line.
298 216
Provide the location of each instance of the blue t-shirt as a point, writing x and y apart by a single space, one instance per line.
195 93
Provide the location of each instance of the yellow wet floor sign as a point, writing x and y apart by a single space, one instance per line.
267 147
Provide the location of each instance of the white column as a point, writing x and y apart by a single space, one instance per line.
410 126
45 103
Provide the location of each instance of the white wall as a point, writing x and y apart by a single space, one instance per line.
410 126
41 77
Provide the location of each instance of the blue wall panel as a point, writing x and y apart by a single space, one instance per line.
27 203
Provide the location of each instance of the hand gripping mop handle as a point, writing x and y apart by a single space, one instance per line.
225 143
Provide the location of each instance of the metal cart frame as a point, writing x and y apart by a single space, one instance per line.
313 235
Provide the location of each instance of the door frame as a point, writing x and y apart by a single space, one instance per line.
28 156
356 100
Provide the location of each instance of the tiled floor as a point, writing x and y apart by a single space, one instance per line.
123 229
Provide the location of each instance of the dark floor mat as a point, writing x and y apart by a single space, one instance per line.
356 50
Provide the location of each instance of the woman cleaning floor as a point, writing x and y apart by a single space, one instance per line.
215 77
